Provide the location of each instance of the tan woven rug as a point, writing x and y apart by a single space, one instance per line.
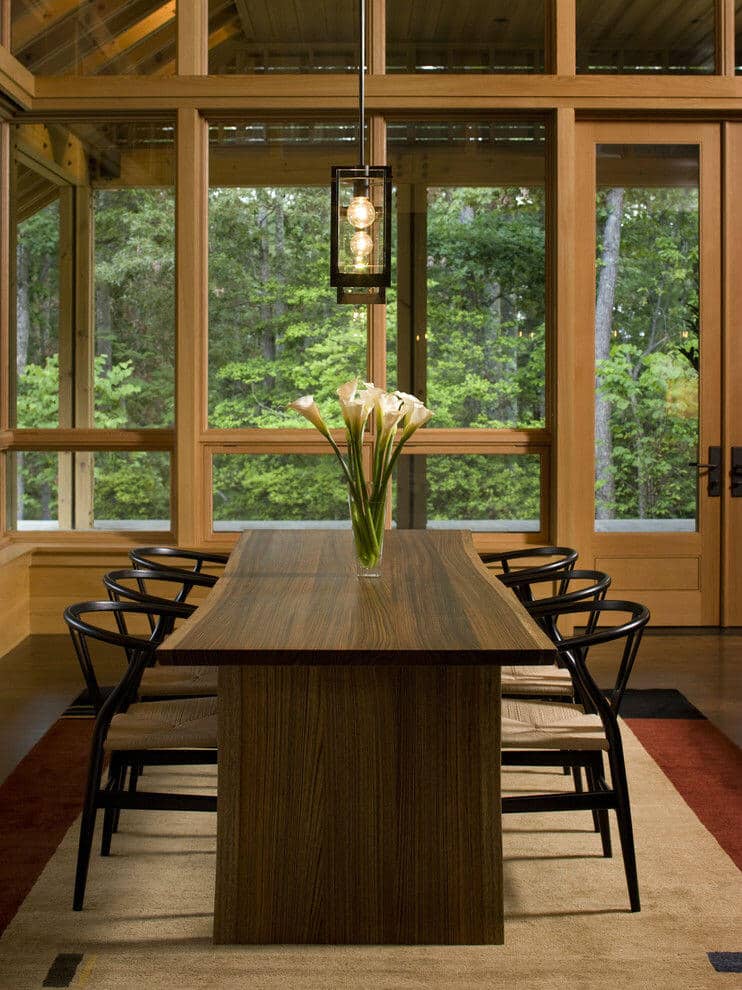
147 921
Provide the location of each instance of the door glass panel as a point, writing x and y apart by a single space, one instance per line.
481 492
663 36
646 338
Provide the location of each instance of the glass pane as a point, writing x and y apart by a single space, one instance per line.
662 36
470 296
134 307
282 36
646 338
276 330
37 300
90 38
120 176
455 37
484 492
253 490
130 490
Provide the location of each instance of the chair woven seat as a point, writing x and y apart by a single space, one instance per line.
537 681
165 681
190 723
548 725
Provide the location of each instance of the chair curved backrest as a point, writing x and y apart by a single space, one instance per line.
138 650
596 588
119 584
518 566
161 558
573 649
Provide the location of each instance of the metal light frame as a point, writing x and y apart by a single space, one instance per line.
355 283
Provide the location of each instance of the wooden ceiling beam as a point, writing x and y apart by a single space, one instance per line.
124 42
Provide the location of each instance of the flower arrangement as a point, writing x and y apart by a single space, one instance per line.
367 498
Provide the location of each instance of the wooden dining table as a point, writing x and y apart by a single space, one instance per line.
359 738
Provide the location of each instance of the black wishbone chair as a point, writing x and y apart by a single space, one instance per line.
147 587
161 558
538 733
132 735
553 682
517 566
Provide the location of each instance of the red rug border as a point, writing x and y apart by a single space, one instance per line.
705 768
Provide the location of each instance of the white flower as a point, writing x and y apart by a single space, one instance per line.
355 415
347 392
308 408
390 411
418 417
408 403
370 394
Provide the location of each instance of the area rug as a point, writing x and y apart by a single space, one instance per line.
148 914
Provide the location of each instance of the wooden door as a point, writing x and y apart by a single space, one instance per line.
647 389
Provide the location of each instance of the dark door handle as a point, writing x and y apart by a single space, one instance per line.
736 472
713 471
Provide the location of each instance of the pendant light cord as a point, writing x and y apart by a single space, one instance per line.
362 81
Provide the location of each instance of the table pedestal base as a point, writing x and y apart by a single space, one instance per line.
359 805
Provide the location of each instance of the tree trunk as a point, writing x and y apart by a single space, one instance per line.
605 486
267 337
23 309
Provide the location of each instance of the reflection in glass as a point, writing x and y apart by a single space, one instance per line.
498 36
482 492
470 255
253 490
277 36
275 329
646 338
90 38
664 36
129 490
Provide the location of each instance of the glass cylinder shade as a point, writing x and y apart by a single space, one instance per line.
360 264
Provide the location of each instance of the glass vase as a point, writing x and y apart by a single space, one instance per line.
367 523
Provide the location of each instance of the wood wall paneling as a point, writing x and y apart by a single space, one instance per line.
14 597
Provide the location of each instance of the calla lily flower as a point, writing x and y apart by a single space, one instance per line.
308 408
368 498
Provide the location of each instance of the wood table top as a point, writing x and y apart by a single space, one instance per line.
292 597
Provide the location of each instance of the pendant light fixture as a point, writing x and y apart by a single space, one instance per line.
361 221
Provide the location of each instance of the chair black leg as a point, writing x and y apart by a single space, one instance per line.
595 777
625 830
116 775
87 827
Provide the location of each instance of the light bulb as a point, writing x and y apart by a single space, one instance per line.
361 212
361 244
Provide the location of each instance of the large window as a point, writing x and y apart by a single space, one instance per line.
281 36
466 319
498 36
275 328
95 323
662 36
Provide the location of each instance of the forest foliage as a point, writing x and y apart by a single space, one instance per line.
276 332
